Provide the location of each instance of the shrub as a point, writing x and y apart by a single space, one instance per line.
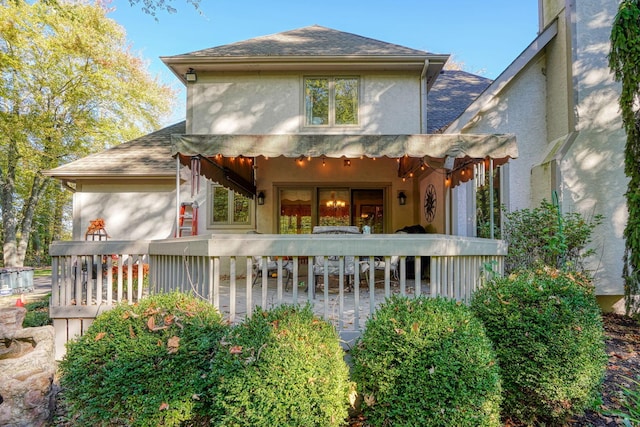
143 365
548 334
37 313
426 362
542 236
282 367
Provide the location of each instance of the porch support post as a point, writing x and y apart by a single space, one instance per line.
491 218
177 195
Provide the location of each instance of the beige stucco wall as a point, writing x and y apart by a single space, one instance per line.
592 169
363 173
131 211
519 109
264 103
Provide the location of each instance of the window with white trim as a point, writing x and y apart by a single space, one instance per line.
228 208
331 101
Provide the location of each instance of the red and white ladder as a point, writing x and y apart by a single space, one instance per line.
188 219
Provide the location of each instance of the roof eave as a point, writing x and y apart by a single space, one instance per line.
351 63
73 177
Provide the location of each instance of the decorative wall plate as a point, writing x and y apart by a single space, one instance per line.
430 203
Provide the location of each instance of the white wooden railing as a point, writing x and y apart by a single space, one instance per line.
218 268
89 277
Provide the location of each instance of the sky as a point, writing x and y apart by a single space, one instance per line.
485 36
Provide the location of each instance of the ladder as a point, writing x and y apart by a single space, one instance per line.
188 219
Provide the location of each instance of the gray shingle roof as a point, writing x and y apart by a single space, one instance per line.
314 40
148 156
450 95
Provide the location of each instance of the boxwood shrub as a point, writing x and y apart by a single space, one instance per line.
548 334
143 365
282 367
426 362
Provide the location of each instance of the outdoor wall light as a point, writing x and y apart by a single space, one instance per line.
261 198
402 198
191 75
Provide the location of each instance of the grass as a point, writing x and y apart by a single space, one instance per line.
42 271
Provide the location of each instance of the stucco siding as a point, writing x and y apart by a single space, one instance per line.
519 109
592 167
272 104
131 213
559 101
363 173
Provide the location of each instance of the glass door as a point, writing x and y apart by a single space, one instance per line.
295 211
334 207
368 212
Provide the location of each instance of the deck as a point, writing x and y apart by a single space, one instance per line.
90 277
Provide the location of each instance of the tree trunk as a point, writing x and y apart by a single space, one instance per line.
29 209
9 220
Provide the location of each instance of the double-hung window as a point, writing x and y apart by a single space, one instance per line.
229 208
331 101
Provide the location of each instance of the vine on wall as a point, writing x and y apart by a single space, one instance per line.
624 62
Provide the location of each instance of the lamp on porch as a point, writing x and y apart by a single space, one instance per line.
191 75
402 198
261 198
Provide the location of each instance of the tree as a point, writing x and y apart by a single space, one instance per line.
70 86
624 61
152 6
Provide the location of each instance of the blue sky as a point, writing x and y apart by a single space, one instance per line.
484 35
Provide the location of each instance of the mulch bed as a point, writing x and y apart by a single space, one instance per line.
623 348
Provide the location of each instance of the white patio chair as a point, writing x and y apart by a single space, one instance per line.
272 267
333 262
381 264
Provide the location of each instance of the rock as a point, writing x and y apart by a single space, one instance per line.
27 369
11 319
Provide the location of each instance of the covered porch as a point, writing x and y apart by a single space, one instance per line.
296 181
91 276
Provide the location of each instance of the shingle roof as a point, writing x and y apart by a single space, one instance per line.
314 40
450 95
149 156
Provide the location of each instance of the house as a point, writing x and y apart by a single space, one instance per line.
312 116
315 126
561 101
312 127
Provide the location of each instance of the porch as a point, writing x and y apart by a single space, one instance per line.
89 277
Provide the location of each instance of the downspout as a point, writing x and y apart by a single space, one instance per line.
66 185
423 97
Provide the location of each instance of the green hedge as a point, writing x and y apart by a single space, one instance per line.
143 365
282 367
547 330
426 362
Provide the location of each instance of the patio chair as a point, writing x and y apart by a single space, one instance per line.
333 262
272 267
380 264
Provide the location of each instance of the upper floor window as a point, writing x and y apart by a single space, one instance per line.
229 208
331 101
